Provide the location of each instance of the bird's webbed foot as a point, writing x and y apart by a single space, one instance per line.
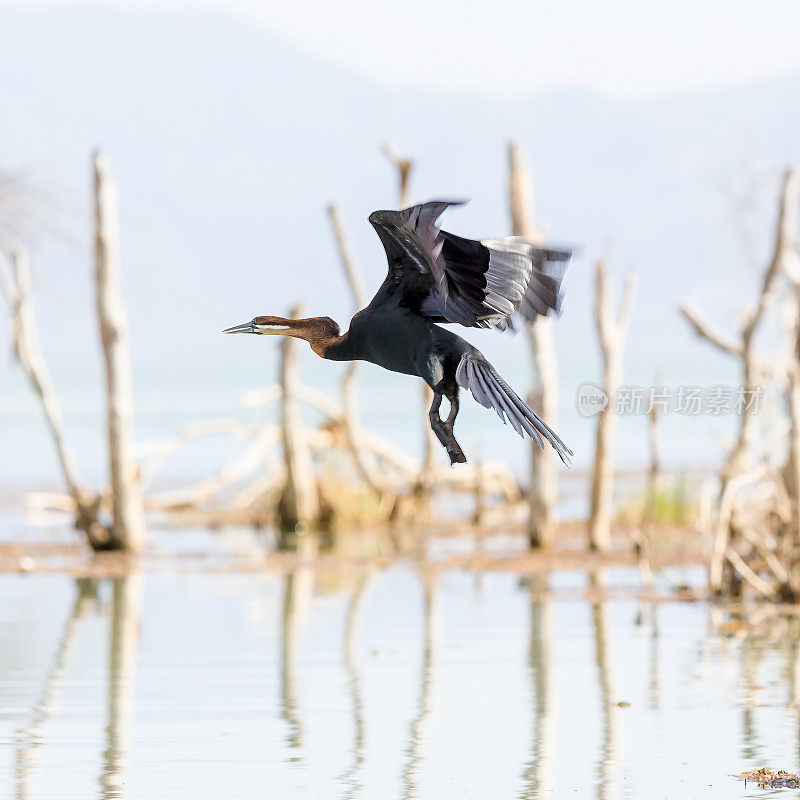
444 430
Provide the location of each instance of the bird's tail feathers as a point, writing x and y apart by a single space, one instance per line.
491 391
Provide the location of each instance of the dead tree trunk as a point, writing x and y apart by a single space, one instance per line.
791 471
128 531
423 487
543 487
741 346
298 506
352 420
25 344
611 334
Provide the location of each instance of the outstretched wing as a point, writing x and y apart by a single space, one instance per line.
474 283
476 374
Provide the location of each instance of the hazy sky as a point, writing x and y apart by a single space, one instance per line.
626 47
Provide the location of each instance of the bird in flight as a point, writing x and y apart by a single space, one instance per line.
436 277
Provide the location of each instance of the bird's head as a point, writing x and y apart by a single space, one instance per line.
319 332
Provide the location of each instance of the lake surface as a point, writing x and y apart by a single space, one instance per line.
187 680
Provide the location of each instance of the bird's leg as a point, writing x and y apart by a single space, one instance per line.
444 430
453 449
436 421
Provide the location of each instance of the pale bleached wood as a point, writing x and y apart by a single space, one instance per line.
352 418
741 343
25 343
756 581
741 456
543 484
705 329
128 528
722 531
299 502
611 334
787 248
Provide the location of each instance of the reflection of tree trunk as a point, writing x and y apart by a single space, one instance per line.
32 736
124 636
413 752
793 667
608 752
537 773
354 682
655 682
751 656
298 586
793 661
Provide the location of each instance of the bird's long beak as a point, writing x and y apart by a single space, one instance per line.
246 327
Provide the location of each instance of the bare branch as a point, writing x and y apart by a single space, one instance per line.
26 346
706 330
611 334
346 258
543 489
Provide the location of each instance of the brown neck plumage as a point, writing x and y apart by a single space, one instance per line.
319 332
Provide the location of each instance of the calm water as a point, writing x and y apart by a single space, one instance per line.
399 683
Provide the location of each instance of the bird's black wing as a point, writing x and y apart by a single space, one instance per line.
474 283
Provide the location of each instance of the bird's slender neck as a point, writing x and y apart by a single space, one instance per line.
322 333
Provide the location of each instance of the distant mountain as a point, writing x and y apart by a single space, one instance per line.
228 143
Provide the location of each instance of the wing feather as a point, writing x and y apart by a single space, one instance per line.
480 284
476 374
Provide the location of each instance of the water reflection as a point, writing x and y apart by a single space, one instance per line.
655 680
537 773
710 694
126 600
297 590
416 735
351 643
607 761
33 735
123 626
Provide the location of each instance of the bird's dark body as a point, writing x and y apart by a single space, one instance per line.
436 277
388 333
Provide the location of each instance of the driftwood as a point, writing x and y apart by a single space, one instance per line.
723 524
728 567
611 334
255 486
543 487
25 344
128 528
